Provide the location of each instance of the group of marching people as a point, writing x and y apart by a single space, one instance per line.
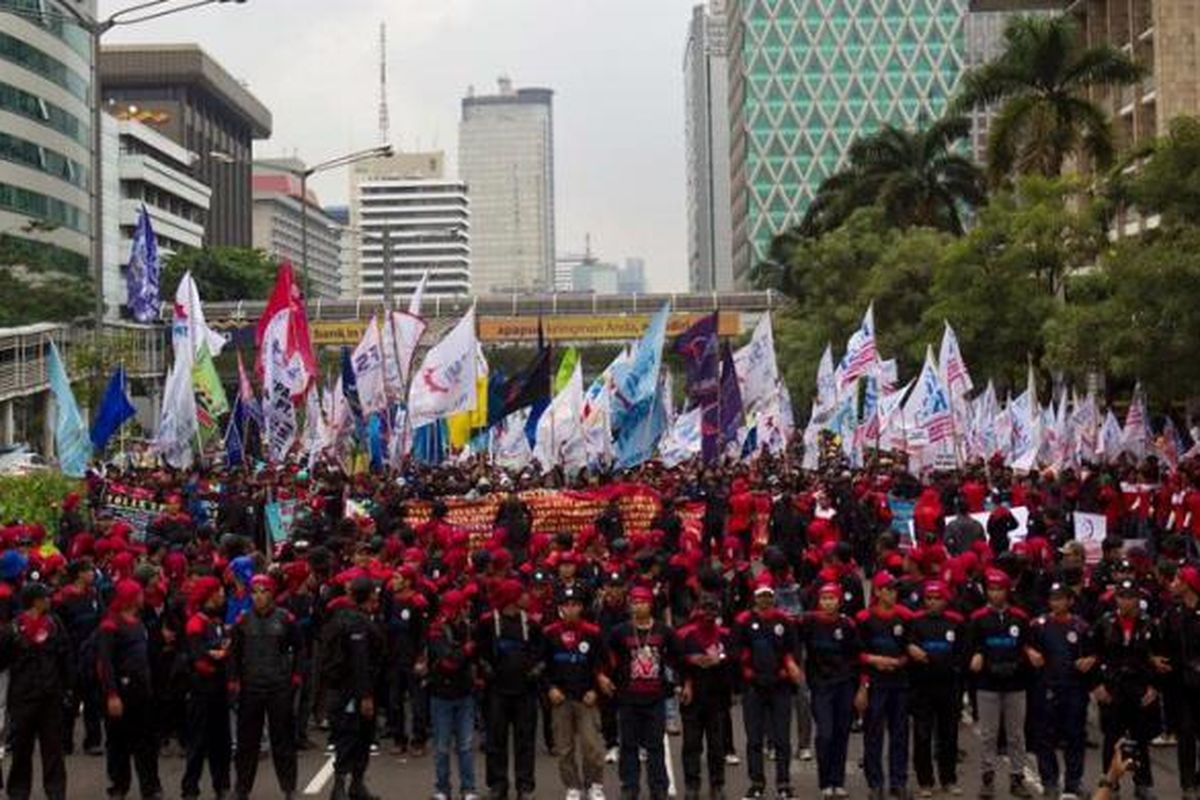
395 633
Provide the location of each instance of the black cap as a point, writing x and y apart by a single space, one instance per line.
34 591
361 589
1127 588
1124 565
1061 589
569 594
614 578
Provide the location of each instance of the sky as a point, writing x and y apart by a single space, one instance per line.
615 66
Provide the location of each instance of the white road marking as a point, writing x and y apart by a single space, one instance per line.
670 768
321 778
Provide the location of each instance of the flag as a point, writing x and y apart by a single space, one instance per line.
234 450
731 412
115 410
1110 437
367 361
446 382
932 425
826 381
402 333
983 441
191 310
698 347
566 368
142 274
1085 423
460 426
211 401
861 354
177 420
282 336
757 372
510 445
529 387
637 441
280 417
349 384
414 302
560 439
1136 436
954 374
1024 419
1169 444
70 433
682 441
636 381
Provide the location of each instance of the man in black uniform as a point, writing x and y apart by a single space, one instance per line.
1125 642
207 647
78 606
123 670
1181 649
511 647
264 675
935 647
36 651
352 649
707 694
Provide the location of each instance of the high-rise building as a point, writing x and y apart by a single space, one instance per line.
187 96
45 127
506 159
807 78
706 129
409 219
141 168
632 277
278 226
347 247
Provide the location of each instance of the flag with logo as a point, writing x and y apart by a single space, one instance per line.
698 347
635 382
211 402
757 372
446 382
143 272
560 439
367 361
285 353
862 355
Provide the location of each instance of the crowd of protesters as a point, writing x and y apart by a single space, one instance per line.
406 636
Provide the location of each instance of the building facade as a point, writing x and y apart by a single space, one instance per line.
506 159
188 97
45 124
141 168
408 219
277 226
706 131
807 78
632 278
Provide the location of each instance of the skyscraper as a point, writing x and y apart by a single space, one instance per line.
807 78
706 84
408 219
279 227
506 158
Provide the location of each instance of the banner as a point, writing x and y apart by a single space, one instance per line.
610 326
1091 530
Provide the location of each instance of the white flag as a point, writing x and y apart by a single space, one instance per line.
1135 438
757 372
955 376
402 333
1110 437
445 383
1024 419
414 302
560 439
862 355
826 380
510 447
682 441
367 362
984 441
929 409
177 427
1085 423
187 305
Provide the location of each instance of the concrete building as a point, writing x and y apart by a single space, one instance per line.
143 168
506 159
346 250
706 130
408 218
187 96
632 278
45 128
596 277
807 78
277 226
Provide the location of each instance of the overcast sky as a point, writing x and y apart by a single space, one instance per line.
615 67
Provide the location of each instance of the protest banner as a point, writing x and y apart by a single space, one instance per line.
1090 529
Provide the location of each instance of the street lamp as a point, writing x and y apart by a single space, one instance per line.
142 12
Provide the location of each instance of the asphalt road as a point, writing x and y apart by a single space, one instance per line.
395 778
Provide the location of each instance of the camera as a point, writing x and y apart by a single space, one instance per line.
1129 751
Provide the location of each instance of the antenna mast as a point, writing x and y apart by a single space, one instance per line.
384 122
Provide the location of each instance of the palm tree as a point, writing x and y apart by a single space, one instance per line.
913 175
1042 81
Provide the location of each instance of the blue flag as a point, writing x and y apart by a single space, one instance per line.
115 410
701 357
730 401
636 443
70 434
350 390
142 274
636 381
235 452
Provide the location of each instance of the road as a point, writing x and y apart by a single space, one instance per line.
412 779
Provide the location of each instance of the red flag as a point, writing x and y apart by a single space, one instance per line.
286 298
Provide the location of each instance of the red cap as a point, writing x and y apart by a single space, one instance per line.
1190 577
453 602
937 589
764 583
883 580
126 594
831 588
641 594
568 557
507 593
263 580
997 579
202 589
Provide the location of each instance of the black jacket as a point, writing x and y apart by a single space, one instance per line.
265 651
38 657
123 658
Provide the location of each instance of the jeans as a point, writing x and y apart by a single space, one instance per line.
767 711
833 711
887 713
453 724
643 725
1060 716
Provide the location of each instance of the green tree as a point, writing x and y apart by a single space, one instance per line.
40 282
1041 82
913 175
222 273
1167 181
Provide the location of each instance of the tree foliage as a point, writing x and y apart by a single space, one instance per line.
1040 83
40 282
222 273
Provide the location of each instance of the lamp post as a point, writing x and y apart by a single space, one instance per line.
381 151
142 12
